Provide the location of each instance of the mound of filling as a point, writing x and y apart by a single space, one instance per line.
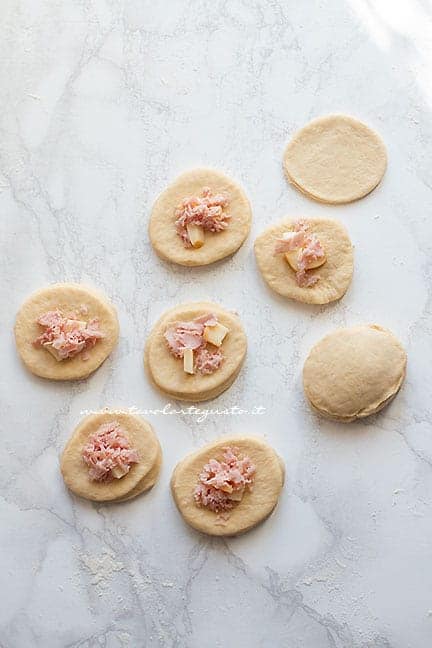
108 453
222 484
198 343
198 214
66 335
303 251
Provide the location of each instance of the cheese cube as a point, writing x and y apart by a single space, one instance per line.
118 472
48 346
188 361
196 235
215 334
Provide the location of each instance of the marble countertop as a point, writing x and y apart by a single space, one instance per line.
103 102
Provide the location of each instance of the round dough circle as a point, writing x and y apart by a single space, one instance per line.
67 297
354 372
255 506
166 371
335 274
141 475
163 236
335 159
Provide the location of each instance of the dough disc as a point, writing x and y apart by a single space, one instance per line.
218 245
141 436
66 297
335 159
255 506
335 275
354 372
166 371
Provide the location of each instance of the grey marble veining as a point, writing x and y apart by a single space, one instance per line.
102 103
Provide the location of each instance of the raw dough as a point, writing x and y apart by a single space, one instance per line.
335 275
255 506
354 372
218 245
166 371
141 476
335 159
146 482
66 297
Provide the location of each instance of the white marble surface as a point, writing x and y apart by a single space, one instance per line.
102 103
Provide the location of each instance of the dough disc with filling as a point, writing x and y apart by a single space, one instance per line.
335 159
218 245
141 475
67 298
254 507
335 274
354 372
166 371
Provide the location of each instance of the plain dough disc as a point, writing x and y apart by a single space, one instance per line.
335 159
76 474
335 275
166 371
66 297
255 506
218 245
354 372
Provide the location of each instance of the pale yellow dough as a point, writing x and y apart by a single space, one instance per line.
335 159
254 507
141 476
335 274
218 245
354 372
166 371
67 298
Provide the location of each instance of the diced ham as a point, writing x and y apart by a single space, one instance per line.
190 335
206 361
108 453
206 211
310 250
222 483
289 242
67 335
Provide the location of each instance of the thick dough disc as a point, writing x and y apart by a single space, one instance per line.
75 471
335 274
67 297
255 506
166 371
335 159
354 372
218 245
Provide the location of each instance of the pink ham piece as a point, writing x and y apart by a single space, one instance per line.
108 454
222 483
206 211
190 335
310 250
207 361
65 337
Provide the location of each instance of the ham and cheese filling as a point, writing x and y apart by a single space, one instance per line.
308 253
198 343
197 214
108 453
66 335
222 484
